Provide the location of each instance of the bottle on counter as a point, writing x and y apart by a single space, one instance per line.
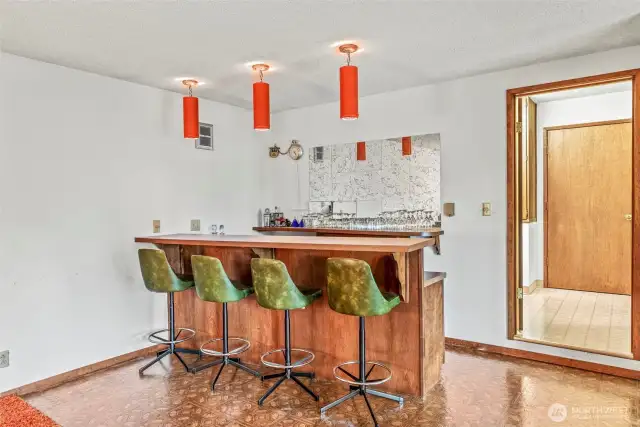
277 217
266 218
295 222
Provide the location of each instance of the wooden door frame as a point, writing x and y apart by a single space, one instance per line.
545 174
514 228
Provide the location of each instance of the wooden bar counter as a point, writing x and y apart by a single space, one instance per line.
410 339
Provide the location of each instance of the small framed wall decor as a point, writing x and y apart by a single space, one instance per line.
205 142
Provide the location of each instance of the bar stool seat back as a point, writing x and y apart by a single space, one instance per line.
274 288
157 274
212 282
352 289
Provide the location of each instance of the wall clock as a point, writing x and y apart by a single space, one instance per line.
294 151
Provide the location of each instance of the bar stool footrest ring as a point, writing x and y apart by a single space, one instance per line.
154 338
302 362
244 346
341 376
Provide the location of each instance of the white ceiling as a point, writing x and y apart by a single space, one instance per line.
407 43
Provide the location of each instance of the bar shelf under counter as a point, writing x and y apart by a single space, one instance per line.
410 339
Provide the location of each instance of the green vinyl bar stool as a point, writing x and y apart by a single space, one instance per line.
159 277
213 285
276 291
353 291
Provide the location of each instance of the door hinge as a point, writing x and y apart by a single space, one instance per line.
519 127
520 293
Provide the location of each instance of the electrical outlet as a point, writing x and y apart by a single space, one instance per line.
195 225
156 225
4 359
486 209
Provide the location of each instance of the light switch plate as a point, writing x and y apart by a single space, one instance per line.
156 225
195 225
449 209
486 209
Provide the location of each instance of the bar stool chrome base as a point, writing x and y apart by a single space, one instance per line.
363 391
302 362
288 366
355 381
244 346
171 341
359 385
154 338
225 354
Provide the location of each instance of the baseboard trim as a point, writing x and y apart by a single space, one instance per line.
56 380
545 358
536 284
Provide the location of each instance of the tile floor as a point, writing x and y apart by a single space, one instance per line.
475 389
591 320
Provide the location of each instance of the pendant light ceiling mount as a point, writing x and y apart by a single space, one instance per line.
348 48
190 83
260 68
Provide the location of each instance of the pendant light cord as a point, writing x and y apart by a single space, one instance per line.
261 75
190 91
348 58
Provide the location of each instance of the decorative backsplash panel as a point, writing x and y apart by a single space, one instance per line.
385 181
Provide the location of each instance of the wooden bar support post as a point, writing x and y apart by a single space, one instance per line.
402 260
267 253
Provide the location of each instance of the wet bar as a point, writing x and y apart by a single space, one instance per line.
410 339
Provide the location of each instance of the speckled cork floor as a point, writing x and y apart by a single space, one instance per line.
475 390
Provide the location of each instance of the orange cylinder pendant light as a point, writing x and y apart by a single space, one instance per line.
348 85
261 105
361 151
190 115
406 145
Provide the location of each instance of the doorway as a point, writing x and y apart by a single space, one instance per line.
571 222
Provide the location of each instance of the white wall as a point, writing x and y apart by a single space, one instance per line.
86 164
470 115
594 108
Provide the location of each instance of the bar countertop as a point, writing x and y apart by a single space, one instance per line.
356 244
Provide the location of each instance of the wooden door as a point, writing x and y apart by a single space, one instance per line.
587 207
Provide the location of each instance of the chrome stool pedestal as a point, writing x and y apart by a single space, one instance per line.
360 384
225 354
288 365
171 341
